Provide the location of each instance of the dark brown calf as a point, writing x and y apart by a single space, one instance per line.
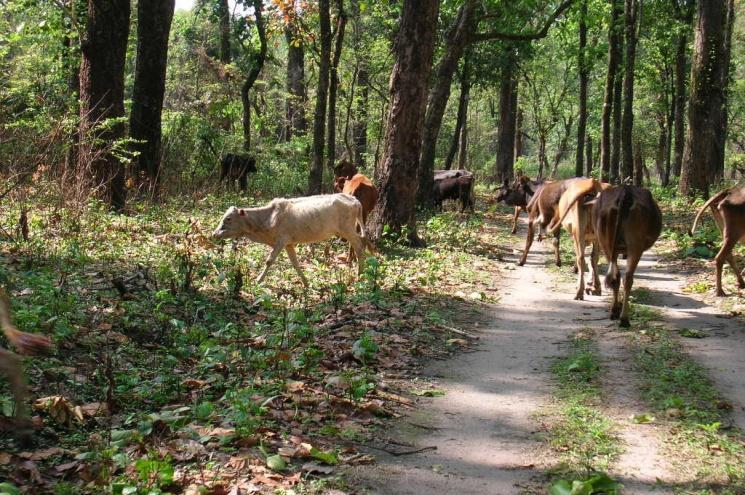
361 188
728 210
626 221
454 188
237 167
518 195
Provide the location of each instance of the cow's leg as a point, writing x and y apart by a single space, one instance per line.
528 242
579 254
613 282
270 261
724 253
555 242
514 219
243 182
594 256
356 244
293 259
632 260
733 264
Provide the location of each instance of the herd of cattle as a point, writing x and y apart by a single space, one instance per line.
620 220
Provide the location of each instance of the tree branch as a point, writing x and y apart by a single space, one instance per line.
499 35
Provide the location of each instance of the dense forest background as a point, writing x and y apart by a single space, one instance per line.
532 85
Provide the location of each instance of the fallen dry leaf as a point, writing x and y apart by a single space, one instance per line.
40 455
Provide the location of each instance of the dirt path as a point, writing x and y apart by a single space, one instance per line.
722 351
484 426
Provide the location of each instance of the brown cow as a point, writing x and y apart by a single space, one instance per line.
345 169
361 188
542 208
728 210
574 216
627 221
11 365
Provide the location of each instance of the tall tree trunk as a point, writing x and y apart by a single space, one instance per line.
588 157
455 45
223 14
627 126
563 145
665 178
413 50
679 102
72 66
507 117
341 22
583 77
519 132
542 158
704 145
296 121
359 129
659 159
315 177
638 165
615 152
726 79
460 121
463 147
102 95
614 52
257 63
153 27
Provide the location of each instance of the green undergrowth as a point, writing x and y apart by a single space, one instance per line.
580 433
704 445
172 367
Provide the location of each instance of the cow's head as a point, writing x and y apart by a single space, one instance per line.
230 225
339 184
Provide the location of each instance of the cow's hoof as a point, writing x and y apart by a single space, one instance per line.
597 292
625 322
521 263
575 270
558 263
614 314
579 297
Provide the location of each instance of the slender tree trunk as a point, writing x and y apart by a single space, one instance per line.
72 65
679 103
610 83
627 126
341 23
153 27
665 178
726 79
507 117
315 178
615 153
413 50
223 13
542 158
460 121
257 63
455 45
659 160
704 145
588 157
296 121
563 145
463 148
583 77
638 162
519 132
102 95
359 127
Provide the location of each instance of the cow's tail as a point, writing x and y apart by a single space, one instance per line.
25 343
716 198
556 225
623 206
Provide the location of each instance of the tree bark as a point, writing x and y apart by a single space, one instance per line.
507 120
257 63
296 121
413 49
223 13
627 126
588 157
359 129
102 96
341 22
718 173
610 84
455 44
519 132
704 146
681 62
638 164
315 177
615 153
153 27
583 77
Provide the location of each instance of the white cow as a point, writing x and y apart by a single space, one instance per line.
283 223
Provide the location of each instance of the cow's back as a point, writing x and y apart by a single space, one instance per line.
316 218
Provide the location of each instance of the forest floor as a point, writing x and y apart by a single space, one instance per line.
557 391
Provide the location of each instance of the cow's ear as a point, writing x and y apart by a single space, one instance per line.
242 212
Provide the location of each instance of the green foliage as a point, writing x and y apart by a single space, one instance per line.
596 484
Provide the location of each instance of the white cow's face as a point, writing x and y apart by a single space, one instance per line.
230 225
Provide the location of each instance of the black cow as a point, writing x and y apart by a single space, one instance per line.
518 195
237 167
454 188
